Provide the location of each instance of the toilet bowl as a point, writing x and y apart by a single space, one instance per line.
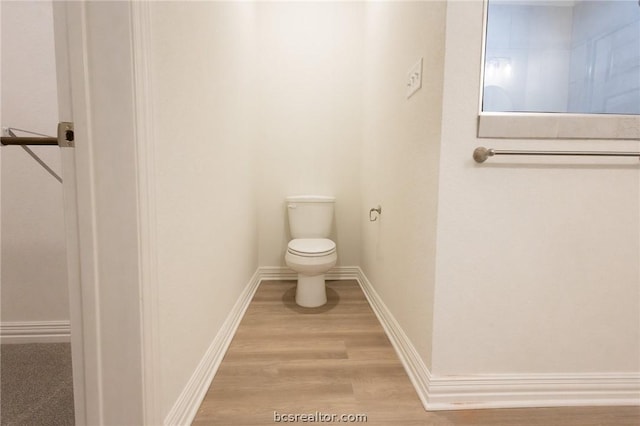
311 258
310 253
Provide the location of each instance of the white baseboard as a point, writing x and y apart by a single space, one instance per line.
501 390
187 404
533 390
273 273
268 273
35 332
435 392
414 366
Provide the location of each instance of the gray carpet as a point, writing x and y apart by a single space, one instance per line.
36 387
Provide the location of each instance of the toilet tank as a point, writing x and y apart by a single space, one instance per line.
310 216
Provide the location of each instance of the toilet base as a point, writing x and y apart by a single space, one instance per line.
311 291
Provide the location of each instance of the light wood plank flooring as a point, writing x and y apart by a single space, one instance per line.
336 359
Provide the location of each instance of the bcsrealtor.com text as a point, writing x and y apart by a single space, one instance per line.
318 417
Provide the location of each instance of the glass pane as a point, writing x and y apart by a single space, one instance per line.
579 56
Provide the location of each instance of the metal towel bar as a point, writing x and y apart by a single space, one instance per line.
481 154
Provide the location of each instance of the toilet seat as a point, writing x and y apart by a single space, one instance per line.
311 247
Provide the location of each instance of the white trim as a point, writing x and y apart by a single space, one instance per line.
80 220
343 273
187 404
35 332
268 273
533 390
501 390
435 392
513 125
414 366
416 370
147 217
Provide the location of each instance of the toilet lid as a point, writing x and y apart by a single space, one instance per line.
311 246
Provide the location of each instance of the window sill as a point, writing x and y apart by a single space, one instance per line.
515 125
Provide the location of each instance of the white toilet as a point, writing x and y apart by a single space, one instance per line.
310 253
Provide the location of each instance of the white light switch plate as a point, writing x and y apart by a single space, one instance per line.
414 79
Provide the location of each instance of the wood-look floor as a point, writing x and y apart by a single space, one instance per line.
336 359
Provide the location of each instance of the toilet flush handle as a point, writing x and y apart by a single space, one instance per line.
378 210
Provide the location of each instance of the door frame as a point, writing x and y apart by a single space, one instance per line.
81 269
111 261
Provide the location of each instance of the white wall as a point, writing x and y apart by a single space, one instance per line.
253 102
538 259
34 285
203 65
401 143
309 69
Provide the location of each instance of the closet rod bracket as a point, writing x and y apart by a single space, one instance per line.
65 135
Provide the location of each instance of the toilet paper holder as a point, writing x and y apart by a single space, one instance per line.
378 210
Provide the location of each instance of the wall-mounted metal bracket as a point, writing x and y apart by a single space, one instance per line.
66 135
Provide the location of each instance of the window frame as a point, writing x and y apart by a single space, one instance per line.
549 125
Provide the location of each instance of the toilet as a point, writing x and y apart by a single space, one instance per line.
310 253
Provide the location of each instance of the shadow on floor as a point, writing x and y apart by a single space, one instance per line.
289 300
